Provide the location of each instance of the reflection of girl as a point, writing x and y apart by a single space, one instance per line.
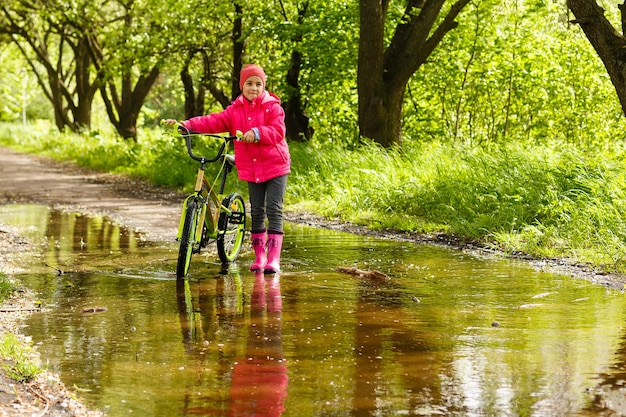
259 381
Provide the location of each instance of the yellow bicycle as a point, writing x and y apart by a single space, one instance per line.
207 214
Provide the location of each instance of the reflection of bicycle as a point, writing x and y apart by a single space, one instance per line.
209 215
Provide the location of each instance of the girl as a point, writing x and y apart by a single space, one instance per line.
261 157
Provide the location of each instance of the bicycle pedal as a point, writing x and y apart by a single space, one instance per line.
237 217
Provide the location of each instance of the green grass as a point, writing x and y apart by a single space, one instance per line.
6 287
17 363
14 357
554 200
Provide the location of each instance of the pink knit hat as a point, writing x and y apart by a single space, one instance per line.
248 71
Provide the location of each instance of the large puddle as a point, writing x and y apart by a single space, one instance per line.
449 335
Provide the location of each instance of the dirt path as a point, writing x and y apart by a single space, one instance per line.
146 208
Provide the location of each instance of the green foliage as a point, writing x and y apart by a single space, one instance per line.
510 71
6 287
18 93
327 38
18 363
514 71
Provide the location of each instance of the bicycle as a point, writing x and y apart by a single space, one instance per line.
207 214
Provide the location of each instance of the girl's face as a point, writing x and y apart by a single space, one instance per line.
253 87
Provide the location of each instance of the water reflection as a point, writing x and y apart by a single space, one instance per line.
69 238
389 340
314 342
258 377
609 394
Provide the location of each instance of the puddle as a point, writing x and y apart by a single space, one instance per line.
450 334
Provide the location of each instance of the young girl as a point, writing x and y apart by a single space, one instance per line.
261 157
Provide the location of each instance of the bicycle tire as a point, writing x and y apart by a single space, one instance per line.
192 217
231 228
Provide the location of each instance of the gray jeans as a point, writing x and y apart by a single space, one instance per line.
266 199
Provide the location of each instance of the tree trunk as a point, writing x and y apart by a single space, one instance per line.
383 74
86 88
190 92
238 48
123 110
380 114
296 121
609 44
373 118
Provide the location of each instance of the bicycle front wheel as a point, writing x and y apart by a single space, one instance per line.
231 228
187 241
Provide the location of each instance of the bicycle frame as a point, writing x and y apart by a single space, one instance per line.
206 193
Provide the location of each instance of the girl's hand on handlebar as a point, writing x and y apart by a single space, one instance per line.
173 122
248 137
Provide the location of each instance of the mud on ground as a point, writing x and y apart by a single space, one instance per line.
153 211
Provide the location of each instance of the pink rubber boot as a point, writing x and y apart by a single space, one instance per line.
274 246
259 241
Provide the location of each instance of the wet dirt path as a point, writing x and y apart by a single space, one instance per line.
29 179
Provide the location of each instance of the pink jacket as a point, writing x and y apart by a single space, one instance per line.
256 162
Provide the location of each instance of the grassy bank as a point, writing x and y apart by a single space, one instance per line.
556 200
15 359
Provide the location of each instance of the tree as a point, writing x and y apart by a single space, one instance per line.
79 48
209 72
312 63
608 42
296 120
126 48
213 57
56 49
383 73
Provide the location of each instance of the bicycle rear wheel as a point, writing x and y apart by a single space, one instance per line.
187 241
231 228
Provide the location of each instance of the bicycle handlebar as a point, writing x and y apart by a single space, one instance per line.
187 134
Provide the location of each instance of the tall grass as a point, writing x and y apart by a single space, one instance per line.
6 287
557 200
554 201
